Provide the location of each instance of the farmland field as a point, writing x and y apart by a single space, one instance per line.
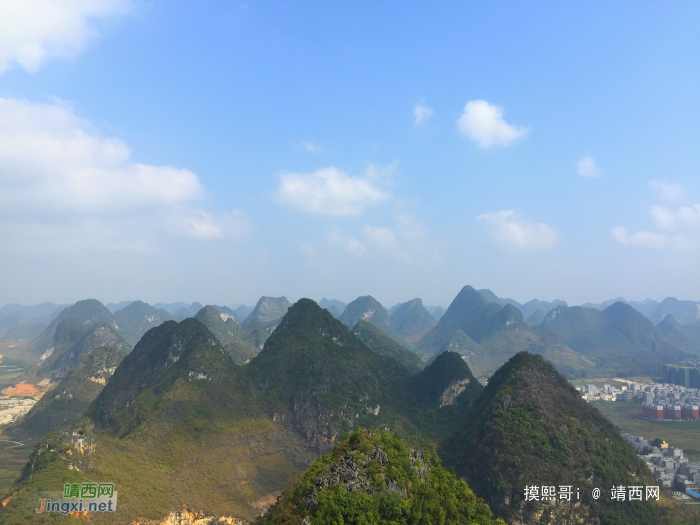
682 434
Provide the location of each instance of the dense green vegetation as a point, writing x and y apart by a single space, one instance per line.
530 427
374 477
384 345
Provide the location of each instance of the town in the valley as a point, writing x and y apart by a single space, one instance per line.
668 402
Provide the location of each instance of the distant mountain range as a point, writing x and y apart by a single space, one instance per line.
268 310
619 339
486 334
334 421
685 312
484 329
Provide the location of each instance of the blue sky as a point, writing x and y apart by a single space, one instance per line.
221 151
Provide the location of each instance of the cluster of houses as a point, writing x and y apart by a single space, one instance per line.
12 409
666 462
628 392
660 401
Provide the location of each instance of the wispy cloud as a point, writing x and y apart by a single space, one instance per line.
667 191
349 244
330 191
421 113
483 123
403 238
514 232
383 238
587 167
311 147
677 229
32 31
203 225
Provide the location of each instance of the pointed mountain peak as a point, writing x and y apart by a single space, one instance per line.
268 310
370 310
412 320
530 423
169 352
229 333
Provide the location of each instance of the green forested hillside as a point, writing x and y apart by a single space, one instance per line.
382 344
375 477
529 427
686 336
83 313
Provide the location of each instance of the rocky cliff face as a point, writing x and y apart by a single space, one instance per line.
186 516
97 336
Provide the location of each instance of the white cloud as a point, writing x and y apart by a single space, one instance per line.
667 191
32 31
678 229
52 161
684 218
200 224
514 232
421 113
484 124
312 147
587 167
55 167
644 239
330 191
354 247
406 239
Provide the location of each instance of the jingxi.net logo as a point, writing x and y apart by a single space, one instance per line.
80 498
